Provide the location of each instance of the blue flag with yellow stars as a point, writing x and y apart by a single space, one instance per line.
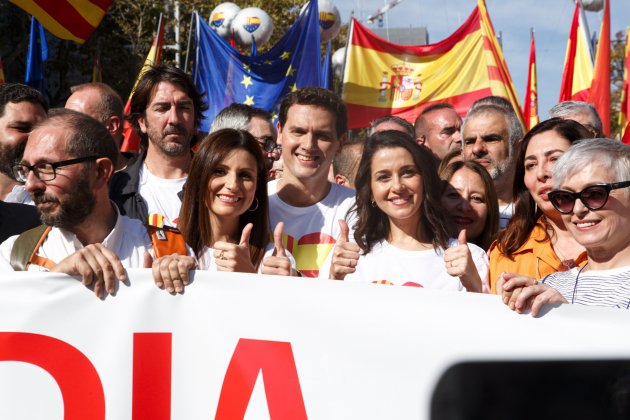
35 57
226 76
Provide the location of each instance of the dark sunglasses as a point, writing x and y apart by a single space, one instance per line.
594 197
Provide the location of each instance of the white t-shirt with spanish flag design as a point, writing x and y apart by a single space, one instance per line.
310 233
386 264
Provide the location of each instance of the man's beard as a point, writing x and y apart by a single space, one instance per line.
172 149
9 156
72 210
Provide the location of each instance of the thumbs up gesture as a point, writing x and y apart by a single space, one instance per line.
459 263
278 263
345 255
235 257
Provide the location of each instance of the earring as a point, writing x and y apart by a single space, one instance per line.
256 206
373 202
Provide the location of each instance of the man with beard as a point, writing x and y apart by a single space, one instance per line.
166 108
21 107
490 134
67 165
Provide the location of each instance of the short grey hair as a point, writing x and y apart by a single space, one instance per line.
237 116
515 129
612 155
406 125
567 109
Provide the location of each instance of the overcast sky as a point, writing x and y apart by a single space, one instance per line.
551 20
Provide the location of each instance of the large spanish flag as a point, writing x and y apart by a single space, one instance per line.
578 63
624 109
599 94
383 78
530 110
67 19
131 141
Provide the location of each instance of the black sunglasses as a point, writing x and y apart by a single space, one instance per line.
594 197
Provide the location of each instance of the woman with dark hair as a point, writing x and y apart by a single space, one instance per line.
224 216
402 233
535 242
470 200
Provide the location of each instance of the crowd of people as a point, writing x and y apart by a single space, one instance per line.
471 204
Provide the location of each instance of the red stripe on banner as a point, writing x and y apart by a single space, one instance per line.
152 376
494 73
68 17
363 37
360 116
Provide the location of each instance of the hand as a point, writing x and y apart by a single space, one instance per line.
345 255
235 257
459 262
171 272
527 293
278 264
98 267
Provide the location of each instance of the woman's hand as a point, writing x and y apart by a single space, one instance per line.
171 272
522 293
345 255
459 263
278 264
235 257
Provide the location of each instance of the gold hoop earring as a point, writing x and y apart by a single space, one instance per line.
373 202
255 207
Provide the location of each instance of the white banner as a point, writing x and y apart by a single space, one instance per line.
247 346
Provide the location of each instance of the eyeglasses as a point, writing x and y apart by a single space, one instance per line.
45 171
594 197
268 143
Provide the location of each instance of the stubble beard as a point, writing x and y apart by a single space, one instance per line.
71 211
10 155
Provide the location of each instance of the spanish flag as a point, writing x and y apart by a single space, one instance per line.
624 109
382 78
131 141
599 94
67 19
530 110
578 63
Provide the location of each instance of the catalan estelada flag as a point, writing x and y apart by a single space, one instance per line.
382 78
131 141
578 63
599 94
624 109
530 103
67 19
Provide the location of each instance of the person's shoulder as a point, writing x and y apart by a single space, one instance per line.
126 178
134 228
339 195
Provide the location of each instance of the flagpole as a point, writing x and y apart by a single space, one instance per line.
587 32
192 16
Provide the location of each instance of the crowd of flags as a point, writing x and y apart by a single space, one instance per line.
380 77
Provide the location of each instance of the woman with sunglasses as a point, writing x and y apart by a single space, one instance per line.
591 192
535 242
224 215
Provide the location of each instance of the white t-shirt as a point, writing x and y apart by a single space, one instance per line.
207 261
609 288
505 214
161 195
128 240
311 232
386 264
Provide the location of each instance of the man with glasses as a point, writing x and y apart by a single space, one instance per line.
591 191
255 120
67 165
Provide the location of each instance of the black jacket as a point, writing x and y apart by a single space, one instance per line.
124 191
16 218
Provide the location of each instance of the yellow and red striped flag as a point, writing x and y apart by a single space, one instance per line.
624 109
578 63
2 80
131 141
599 94
383 78
67 19
530 110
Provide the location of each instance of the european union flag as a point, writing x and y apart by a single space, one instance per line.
327 70
227 76
37 54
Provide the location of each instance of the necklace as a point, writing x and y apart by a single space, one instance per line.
577 279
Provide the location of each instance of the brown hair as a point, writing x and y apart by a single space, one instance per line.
491 226
373 225
194 221
526 213
319 97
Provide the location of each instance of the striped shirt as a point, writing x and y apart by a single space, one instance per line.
609 288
